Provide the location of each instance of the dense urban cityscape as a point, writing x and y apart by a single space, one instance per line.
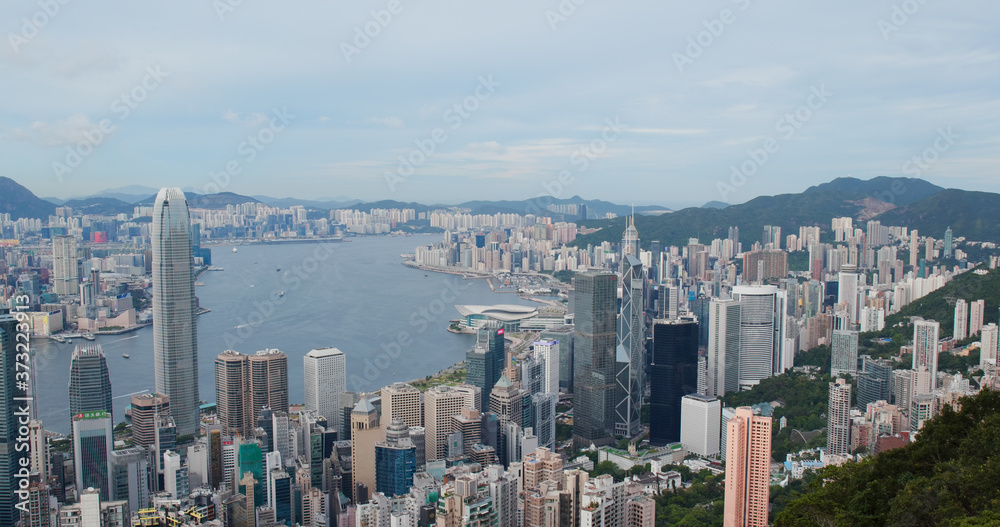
643 372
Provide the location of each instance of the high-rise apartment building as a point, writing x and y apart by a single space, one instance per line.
844 353
89 381
175 324
961 326
595 297
988 345
146 409
748 469
485 362
244 384
925 347
761 266
404 402
838 440
93 441
325 373
977 310
701 421
65 275
630 356
673 374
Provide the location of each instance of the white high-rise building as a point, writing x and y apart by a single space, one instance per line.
701 424
65 277
844 353
547 351
838 428
976 311
175 324
723 347
325 373
847 291
925 346
961 327
988 345
762 350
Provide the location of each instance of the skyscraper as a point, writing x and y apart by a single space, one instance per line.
925 349
365 433
874 381
630 357
10 457
961 326
89 382
947 243
988 344
325 372
485 362
175 324
65 276
762 334
844 353
838 440
244 384
440 404
145 411
595 296
673 374
93 441
547 351
230 394
723 347
748 469
976 311
402 401
701 419
395 461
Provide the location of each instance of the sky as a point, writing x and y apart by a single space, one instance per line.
649 102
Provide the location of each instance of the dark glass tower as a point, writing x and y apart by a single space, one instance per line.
89 383
673 374
594 362
10 458
395 461
485 361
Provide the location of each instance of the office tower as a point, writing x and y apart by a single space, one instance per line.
630 358
976 311
543 411
198 465
175 476
947 243
723 347
844 353
748 469
38 450
145 409
469 424
563 337
93 441
244 384
701 421
838 440
365 432
268 382
402 401
506 401
166 439
762 334
130 476
89 382
230 394
395 461
175 326
874 381
250 461
279 495
988 340
547 351
440 404
280 440
325 373
594 363
485 361
961 325
847 291
673 373
65 276
925 347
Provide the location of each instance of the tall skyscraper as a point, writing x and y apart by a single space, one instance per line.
130 477
631 344
93 442
961 326
988 344
89 382
723 347
976 311
65 276
547 351
874 381
844 353
175 324
146 409
440 404
402 401
925 348
244 384
325 372
230 392
365 433
762 334
914 248
594 362
838 440
847 292
10 457
484 363
630 239
673 374
748 469
947 243
395 461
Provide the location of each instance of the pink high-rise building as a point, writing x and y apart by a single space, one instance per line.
748 469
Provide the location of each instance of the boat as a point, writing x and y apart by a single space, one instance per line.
89 336
234 249
281 294
278 270
125 355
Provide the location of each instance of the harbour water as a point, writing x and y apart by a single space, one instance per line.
390 320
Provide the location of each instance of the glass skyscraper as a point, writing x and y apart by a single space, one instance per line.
673 374
595 296
92 446
630 351
395 461
89 383
485 361
175 328
9 457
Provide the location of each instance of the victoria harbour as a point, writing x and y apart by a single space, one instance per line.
390 320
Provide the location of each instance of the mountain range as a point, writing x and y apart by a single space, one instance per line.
893 201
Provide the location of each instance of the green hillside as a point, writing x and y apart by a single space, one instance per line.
969 214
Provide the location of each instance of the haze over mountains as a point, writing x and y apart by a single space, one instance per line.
894 201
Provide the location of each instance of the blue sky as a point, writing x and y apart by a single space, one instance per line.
639 101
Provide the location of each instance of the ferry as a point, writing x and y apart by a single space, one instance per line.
234 249
125 355
89 336
281 294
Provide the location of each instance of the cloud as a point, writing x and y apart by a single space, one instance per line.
69 131
250 121
324 119
388 122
